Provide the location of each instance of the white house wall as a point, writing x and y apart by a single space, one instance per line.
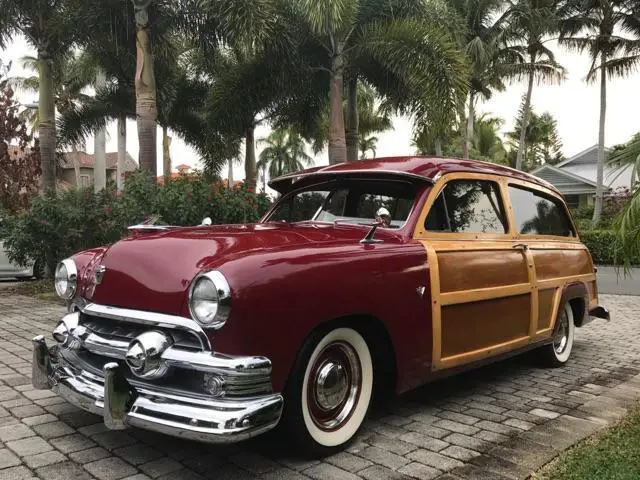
612 178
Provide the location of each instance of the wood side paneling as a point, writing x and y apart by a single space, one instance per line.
561 263
472 270
545 308
473 326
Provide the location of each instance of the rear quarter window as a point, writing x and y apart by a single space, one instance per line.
536 213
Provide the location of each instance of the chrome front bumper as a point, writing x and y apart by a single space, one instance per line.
123 403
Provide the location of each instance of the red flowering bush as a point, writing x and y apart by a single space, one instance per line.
58 225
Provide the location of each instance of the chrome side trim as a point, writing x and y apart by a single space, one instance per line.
153 319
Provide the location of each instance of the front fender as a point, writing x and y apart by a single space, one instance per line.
280 296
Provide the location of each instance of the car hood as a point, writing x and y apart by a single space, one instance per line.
153 271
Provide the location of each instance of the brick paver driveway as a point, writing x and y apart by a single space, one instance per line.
495 422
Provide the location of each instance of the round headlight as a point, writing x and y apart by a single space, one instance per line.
210 299
66 279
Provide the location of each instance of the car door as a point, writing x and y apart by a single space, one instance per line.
541 221
5 265
481 278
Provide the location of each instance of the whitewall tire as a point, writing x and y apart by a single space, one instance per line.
330 390
558 352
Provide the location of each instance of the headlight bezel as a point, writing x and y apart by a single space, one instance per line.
71 279
223 301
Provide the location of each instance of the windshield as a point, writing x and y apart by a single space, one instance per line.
354 201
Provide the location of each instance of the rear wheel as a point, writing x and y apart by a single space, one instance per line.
557 353
38 270
329 392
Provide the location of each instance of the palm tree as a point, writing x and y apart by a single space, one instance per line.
145 82
384 43
593 26
532 21
541 141
627 155
70 77
483 40
371 119
242 53
49 27
487 142
284 153
367 144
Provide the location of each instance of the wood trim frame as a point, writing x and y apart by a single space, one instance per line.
550 193
420 233
436 320
452 242
560 284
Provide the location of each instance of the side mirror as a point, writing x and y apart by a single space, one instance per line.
206 221
383 217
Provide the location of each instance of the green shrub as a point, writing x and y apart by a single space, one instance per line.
603 245
58 225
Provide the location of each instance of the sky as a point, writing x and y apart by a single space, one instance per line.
573 103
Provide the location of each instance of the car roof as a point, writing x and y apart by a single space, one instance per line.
416 168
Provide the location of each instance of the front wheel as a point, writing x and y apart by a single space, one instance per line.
329 392
557 353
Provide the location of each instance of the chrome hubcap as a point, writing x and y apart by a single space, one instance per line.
561 337
334 386
331 385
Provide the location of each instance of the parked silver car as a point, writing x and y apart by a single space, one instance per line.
9 269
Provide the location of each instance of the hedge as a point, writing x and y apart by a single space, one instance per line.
58 225
603 245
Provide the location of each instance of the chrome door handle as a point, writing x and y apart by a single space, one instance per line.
521 246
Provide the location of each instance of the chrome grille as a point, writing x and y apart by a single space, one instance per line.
107 338
126 331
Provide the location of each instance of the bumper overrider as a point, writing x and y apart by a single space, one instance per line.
121 391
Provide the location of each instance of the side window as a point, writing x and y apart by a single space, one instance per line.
538 214
468 206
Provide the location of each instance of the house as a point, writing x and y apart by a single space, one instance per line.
66 171
182 170
575 177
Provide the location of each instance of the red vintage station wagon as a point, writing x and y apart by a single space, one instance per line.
362 279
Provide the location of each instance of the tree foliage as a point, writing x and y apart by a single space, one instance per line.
284 153
542 140
19 156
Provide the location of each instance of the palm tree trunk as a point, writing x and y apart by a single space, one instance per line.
468 137
76 163
264 179
100 144
337 143
230 173
145 82
351 129
597 210
525 118
47 119
438 146
122 152
250 157
166 153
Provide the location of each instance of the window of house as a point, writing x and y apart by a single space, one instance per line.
538 214
84 180
468 206
573 201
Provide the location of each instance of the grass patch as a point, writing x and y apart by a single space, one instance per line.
41 289
611 454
